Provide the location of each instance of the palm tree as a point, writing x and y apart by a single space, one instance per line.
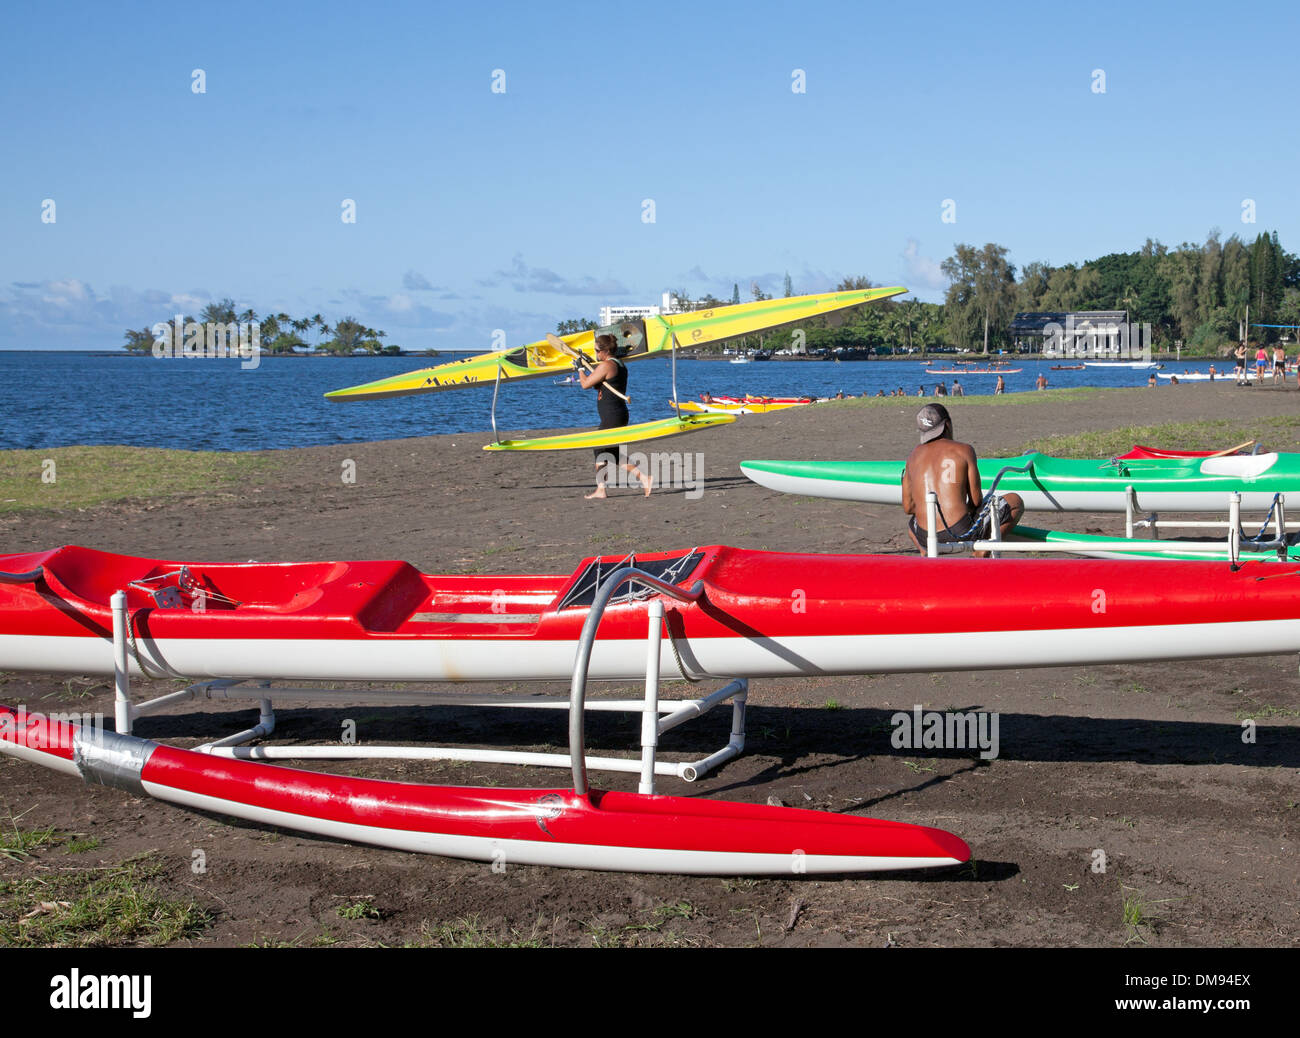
220 312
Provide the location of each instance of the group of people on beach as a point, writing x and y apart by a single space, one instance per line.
1275 364
1262 364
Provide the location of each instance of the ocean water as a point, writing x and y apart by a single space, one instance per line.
56 399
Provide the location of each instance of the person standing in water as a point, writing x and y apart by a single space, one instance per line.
610 373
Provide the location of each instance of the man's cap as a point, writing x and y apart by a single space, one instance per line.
930 421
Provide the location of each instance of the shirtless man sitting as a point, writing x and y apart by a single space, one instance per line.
942 464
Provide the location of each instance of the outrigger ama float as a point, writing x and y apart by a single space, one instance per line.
714 611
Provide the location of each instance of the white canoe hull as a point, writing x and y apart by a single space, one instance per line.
624 659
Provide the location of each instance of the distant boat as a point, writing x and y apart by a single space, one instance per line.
973 371
739 360
1136 365
572 380
1067 367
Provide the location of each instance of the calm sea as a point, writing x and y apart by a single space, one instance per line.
55 399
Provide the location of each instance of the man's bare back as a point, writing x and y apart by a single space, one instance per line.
949 468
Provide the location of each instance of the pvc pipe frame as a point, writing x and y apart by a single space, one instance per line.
932 523
652 726
587 639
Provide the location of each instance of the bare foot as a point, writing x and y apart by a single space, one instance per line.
648 482
596 494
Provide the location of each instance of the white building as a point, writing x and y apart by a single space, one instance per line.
614 314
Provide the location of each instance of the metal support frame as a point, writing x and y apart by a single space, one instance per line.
657 716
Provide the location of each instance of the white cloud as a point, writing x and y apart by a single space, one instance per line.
922 271
523 278
414 281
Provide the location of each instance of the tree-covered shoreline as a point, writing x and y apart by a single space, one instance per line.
278 334
1195 297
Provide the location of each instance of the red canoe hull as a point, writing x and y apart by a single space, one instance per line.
762 614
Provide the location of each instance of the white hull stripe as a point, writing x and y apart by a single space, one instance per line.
622 659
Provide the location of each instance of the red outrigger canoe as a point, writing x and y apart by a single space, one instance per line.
753 614
760 614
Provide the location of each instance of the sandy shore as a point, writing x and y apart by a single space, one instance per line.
1144 762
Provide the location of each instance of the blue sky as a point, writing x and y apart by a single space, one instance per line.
479 210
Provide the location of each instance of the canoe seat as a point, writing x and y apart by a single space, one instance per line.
1239 466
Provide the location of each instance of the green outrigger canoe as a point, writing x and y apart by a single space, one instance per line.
1195 484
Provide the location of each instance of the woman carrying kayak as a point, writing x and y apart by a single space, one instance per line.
610 374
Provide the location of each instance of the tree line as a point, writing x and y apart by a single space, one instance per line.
1194 294
278 333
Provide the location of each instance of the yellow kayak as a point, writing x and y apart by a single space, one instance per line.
637 340
748 407
642 431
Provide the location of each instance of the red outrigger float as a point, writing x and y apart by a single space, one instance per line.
611 830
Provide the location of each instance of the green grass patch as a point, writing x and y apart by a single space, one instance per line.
359 909
95 908
17 844
470 932
1280 432
82 477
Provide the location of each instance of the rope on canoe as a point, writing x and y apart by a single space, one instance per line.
165 671
1263 527
672 641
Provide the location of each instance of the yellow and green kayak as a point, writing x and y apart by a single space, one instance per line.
638 339
642 431
755 406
